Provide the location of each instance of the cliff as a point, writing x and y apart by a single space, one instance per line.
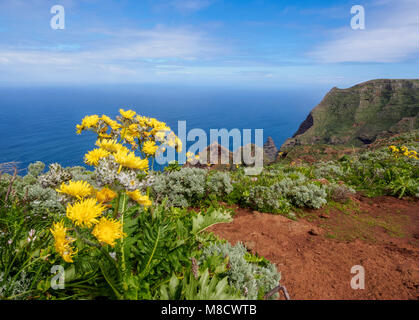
359 115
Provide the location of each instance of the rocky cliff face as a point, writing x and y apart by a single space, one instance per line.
359 115
270 149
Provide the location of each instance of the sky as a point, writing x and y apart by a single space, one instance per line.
258 43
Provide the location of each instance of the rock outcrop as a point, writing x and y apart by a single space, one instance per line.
270 149
216 154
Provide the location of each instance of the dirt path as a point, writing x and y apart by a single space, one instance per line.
316 253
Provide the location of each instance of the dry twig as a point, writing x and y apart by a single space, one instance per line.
9 167
275 290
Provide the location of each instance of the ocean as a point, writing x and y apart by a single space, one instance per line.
38 123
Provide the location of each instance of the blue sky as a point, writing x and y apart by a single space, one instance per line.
257 43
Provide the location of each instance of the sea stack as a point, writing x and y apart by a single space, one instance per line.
270 149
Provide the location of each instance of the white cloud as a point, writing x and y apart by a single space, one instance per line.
126 56
390 36
126 46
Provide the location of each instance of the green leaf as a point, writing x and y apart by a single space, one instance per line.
212 217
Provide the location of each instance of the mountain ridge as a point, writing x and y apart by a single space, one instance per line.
358 115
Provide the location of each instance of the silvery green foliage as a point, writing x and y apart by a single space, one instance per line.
182 188
44 200
82 174
266 199
32 189
106 172
219 183
245 276
293 179
300 192
16 287
55 176
309 195
147 181
35 169
272 173
329 170
128 179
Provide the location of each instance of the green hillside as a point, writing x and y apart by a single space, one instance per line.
361 114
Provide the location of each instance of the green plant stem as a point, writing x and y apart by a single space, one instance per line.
90 243
115 212
123 265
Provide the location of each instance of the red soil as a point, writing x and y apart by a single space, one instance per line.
316 253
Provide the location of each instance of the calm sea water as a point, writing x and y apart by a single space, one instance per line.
39 123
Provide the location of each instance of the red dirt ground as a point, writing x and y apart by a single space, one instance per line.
316 253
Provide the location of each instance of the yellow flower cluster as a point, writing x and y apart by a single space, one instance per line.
62 242
403 151
118 140
85 212
129 160
141 133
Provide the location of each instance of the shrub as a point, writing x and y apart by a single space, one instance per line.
339 192
384 172
219 183
182 188
310 195
300 192
55 176
189 186
328 170
266 199
253 279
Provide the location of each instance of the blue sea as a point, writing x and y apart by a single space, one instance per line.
38 123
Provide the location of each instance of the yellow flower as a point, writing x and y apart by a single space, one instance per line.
171 139
178 144
111 145
107 144
150 147
92 157
159 135
133 128
191 157
87 122
112 123
158 126
104 135
142 121
130 139
108 230
85 213
129 160
138 197
105 195
129 114
62 242
78 189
